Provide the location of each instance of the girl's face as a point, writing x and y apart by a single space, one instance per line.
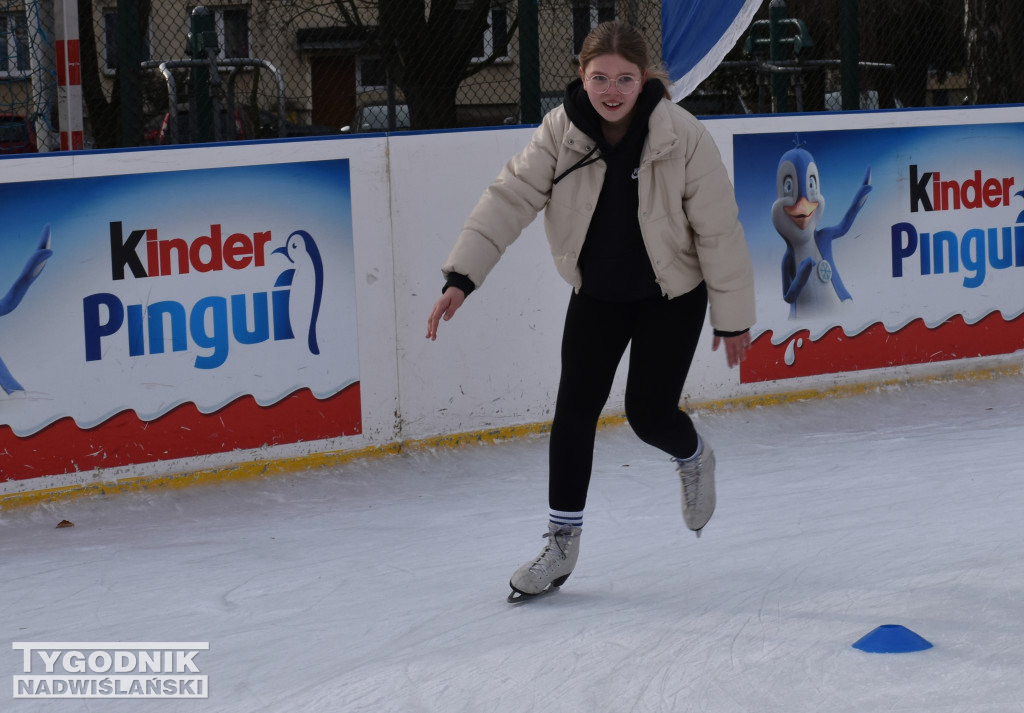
613 84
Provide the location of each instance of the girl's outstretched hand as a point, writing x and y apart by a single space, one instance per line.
445 307
735 347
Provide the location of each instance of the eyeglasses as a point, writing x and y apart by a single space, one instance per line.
626 84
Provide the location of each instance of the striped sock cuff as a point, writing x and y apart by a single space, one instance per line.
563 517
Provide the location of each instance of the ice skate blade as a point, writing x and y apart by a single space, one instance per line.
517 597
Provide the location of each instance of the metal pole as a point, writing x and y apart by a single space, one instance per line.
777 53
392 102
529 62
165 66
849 53
201 37
129 58
69 76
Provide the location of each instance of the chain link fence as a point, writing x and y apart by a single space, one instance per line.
165 72
896 53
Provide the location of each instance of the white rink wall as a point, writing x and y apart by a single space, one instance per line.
494 368
496 364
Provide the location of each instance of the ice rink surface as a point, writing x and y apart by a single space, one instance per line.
380 586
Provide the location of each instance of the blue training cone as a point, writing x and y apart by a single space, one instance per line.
892 639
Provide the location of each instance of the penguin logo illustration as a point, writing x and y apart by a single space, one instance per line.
810 279
300 249
14 296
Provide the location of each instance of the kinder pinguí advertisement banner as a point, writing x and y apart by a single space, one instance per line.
162 315
882 247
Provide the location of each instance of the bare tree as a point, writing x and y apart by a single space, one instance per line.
994 52
104 113
923 38
919 37
428 46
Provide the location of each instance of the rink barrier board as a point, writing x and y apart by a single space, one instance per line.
402 223
253 470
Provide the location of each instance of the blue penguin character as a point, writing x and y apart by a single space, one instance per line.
810 280
10 301
301 251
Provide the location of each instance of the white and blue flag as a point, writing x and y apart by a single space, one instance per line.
697 34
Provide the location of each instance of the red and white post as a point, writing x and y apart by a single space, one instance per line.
69 76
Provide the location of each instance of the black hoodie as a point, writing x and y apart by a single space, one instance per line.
614 261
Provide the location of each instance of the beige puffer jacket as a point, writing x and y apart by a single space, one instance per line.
688 214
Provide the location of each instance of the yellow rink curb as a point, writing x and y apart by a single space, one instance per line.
314 461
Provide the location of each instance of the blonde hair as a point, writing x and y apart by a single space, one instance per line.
621 38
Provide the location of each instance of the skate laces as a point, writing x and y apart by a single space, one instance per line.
553 550
690 471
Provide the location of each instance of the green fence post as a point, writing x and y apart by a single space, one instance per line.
529 62
129 59
777 53
849 53
201 37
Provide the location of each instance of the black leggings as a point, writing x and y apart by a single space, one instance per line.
663 335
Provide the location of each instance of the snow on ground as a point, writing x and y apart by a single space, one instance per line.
380 585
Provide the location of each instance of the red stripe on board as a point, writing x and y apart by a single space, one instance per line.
876 348
74 64
69 63
125 439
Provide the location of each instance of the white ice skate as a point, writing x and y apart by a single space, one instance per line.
697 476
551 567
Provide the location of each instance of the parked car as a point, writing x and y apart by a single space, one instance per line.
268 128
548 101
16 135
374 117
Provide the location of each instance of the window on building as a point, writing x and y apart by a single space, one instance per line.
231 22
495 38
233 31
494 41
586 15
14 57
371 73
110 41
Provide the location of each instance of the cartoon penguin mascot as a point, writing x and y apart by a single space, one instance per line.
810 280
301 251
13 298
